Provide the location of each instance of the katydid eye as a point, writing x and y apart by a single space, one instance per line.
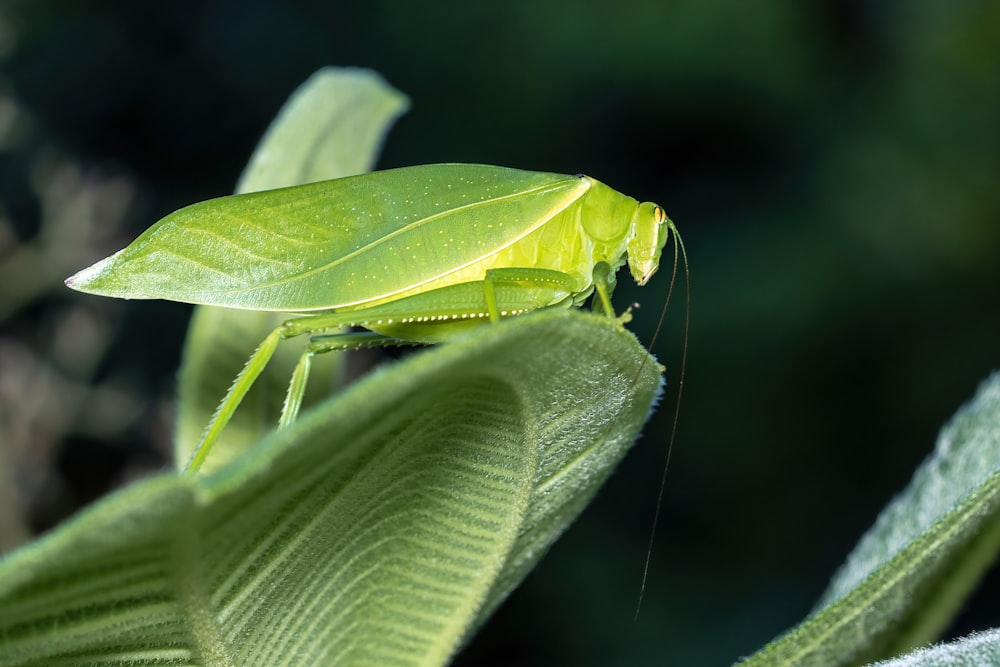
659 215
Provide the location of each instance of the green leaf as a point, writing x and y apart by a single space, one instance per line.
332 126
981 649
909 575
379 528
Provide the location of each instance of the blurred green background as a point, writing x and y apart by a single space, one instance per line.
834 168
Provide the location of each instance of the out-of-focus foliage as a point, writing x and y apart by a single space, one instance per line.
832 166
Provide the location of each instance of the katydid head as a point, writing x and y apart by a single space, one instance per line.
650 230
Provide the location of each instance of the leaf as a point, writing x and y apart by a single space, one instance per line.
332 126
378 529
909 575
981 649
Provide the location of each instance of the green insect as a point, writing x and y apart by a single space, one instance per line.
411 255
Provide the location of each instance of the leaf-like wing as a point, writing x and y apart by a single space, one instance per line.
335 243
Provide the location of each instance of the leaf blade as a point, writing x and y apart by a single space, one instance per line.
332 126
340 539
981 649
910 573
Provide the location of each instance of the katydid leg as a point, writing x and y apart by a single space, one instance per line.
296 389
604 286
422 318
241 385
514 275
319 344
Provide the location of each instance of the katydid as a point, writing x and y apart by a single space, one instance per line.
411 255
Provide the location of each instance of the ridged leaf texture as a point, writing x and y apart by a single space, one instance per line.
378 529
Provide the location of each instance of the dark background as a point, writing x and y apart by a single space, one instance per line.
833 167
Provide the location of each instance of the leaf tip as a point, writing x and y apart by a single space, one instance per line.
97 279
81 279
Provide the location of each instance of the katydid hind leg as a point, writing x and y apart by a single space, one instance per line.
319 344
296 389
490 295
557 281
237 391
244 381
423 318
